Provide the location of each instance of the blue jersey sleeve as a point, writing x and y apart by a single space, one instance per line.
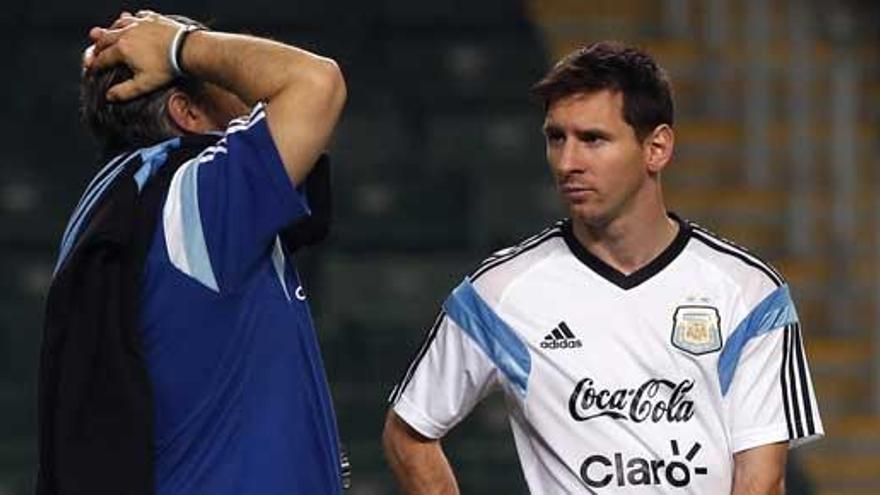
226 206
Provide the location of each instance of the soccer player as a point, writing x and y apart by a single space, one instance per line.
179 355
638 352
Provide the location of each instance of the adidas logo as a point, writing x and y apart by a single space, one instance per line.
561 338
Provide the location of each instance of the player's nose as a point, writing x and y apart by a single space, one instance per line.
568 160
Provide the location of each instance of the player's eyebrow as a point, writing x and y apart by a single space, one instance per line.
551 128
592 133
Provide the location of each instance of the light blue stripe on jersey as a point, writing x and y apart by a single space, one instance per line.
775 311
184 235
89 191
279 263
88 201
152 159
492 334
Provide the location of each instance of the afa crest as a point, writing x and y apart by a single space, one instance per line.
696 329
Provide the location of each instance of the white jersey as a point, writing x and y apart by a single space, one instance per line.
640 383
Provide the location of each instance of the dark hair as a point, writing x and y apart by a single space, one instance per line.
134 123
647 93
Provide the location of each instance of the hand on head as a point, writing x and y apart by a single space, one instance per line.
139 41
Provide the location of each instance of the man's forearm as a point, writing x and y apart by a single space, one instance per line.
304 92
419 464
255 69
743 485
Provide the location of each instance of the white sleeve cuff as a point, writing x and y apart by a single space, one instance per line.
418 420
756 437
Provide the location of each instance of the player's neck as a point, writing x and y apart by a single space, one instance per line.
630 241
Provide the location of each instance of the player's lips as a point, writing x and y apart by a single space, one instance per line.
574 192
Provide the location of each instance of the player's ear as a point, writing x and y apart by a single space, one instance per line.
658 147
187 115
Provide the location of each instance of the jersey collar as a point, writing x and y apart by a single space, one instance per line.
639 276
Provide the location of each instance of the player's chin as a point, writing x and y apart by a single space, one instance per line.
588 213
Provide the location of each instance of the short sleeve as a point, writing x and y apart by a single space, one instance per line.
770 396
226 206
449 376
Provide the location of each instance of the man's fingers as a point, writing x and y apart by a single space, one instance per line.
109 37
124 20
96 33
104 37
134 87
105 58
125 90
88 57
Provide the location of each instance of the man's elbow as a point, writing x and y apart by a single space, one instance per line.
327 81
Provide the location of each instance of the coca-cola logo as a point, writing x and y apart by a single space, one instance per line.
656 400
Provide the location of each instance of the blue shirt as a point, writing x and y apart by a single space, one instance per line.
241 400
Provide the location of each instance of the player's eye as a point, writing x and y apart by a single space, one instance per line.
592 138
553 136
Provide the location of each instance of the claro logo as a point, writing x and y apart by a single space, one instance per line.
599 471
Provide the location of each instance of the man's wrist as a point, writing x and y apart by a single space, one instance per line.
175 50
